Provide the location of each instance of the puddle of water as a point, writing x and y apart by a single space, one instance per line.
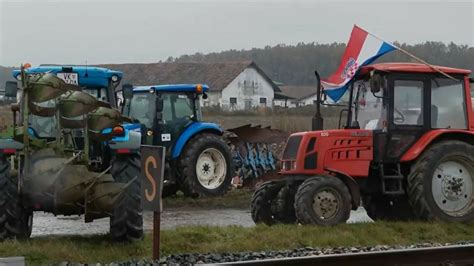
47 224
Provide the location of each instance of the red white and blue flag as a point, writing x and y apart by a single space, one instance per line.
362 49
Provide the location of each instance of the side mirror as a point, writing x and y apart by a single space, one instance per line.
11 89
377 83
127 91
204 96
159 104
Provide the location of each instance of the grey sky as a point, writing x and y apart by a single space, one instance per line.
146 31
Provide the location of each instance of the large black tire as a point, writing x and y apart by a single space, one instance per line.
383 207
286 205
16 221
126 223
190 184
421 178
272 203
329 195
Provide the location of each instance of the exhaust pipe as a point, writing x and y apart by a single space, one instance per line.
317 121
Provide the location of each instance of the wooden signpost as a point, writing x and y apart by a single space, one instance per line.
153 168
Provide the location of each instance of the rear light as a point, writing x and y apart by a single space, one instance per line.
123 151
8 151
118 131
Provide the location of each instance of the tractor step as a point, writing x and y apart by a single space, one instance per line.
392 180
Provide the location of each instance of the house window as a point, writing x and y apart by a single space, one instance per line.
233 101
263 101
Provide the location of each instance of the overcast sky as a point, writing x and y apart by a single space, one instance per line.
148 31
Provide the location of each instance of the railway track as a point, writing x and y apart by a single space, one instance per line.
448 255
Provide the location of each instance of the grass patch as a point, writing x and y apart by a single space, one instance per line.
204 239
236 199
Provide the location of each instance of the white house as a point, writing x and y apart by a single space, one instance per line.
232 85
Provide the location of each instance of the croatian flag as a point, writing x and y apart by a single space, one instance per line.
362 49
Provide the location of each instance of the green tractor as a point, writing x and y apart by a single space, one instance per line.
198 159
69 152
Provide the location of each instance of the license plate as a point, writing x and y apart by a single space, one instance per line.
69 78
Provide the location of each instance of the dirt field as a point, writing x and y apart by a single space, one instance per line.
292 121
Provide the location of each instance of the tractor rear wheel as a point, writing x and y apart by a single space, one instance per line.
323 200
126 223
441 183
207 166
380 207
272 203
16 221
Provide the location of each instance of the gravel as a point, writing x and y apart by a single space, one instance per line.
195 258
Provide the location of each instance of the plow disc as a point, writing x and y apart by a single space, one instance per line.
255 151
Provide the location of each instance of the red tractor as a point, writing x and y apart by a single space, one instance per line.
406 151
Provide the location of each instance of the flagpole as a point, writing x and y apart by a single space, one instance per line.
414 57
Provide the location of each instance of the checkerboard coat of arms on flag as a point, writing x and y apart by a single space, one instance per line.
362 49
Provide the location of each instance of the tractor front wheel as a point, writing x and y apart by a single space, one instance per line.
16 221
126 223
323 200
206 166
441 183
273 203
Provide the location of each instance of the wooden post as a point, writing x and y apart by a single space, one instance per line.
156 235
153 162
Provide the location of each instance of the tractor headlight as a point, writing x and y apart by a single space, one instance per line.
289 165
18 77
115 78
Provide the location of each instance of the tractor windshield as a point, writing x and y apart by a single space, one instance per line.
367 109
45 127
99 93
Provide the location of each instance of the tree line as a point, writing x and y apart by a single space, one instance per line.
295 64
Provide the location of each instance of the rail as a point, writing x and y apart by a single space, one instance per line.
447 255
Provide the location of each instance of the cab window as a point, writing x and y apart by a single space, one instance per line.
143 108
408 102
177 107
98 93
448 105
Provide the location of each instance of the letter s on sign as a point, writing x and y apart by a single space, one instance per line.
150 196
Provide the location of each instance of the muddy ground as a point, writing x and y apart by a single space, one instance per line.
47 224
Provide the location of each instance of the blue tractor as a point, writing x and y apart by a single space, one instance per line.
69 151
198 160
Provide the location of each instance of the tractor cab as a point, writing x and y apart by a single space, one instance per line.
165 111
96 81
400 102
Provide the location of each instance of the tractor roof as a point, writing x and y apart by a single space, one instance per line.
411 67
96 76
172 88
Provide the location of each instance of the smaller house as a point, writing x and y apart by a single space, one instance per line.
301 95
306 95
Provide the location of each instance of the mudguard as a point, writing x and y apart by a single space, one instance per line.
192 130
10 144
131 140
